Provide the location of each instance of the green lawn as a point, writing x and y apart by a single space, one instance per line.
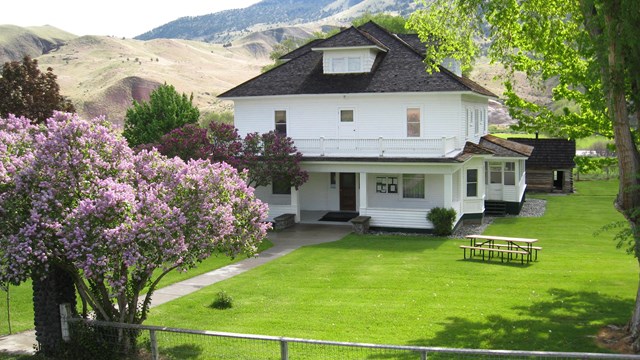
417 290
581 144
21 304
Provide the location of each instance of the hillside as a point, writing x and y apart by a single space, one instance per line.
16 41
103 75
229 25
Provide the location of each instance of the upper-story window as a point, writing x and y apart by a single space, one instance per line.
346 64
413 122
476 122
281 122
346 115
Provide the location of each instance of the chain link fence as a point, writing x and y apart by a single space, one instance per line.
106 340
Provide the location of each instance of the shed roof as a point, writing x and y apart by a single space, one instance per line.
550 153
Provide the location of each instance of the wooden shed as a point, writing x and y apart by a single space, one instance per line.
550 166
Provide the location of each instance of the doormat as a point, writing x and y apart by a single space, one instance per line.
339 216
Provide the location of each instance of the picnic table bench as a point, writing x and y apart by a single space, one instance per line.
511 246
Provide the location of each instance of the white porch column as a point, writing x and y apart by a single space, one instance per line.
363 192
295 202
448 191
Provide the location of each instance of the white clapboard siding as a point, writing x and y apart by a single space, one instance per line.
398 218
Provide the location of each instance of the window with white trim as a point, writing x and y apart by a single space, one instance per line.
338 65
281 122
472 182
510 173
413 186
413 122
346 115
354 64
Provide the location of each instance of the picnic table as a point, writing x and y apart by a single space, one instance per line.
511 246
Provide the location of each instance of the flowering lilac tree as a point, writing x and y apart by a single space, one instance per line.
267 157
73 195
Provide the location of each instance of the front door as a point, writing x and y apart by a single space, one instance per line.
347 191
494 187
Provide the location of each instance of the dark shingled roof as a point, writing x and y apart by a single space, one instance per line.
550 153
301 50
470 150
400 69
414 41
505 148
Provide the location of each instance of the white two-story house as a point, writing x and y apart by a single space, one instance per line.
380 136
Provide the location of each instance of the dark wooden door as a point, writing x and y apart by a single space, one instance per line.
348 191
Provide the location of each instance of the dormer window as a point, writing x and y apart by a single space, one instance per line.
349 60
350 64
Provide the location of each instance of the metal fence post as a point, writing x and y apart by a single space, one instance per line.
423 355
284 350
154 345
64 322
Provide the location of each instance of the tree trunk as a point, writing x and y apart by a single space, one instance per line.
54 288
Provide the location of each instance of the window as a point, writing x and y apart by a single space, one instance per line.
413 122
346 64
476 122
472 182
280 187
338 65
346 116
468 123
354 64
413 186
495 176
281 122
387 184
510 173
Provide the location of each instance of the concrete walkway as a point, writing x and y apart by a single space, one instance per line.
284 242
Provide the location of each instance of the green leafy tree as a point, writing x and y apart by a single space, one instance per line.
26 91
284 47
590 47
393 23
166 110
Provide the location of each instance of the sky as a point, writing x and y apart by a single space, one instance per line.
120 18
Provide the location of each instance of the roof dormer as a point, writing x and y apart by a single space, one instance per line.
350 52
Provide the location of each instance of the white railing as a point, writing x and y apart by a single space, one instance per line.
379 147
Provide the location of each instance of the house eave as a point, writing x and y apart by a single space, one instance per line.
403 93
339 48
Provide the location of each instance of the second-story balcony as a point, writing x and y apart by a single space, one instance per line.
379 147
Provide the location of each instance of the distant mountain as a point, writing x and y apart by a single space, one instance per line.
16 42
228 25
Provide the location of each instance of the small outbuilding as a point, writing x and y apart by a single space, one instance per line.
550 165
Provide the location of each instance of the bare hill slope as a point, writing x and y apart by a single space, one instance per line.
16 41
103 75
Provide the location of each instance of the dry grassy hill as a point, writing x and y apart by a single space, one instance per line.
103 75
16 41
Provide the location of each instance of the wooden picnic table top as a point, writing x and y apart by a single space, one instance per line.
502 238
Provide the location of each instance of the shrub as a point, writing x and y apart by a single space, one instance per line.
442 220
222 301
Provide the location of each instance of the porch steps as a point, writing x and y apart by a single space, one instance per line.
495 208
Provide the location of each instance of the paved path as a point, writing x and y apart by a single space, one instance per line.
284 242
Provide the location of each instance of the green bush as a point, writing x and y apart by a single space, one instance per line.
222 301
442 220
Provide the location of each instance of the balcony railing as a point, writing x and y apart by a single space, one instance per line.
380 147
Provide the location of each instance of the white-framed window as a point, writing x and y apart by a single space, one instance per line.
350 64
510 173
468 122
413 186
413 122
495 173
346 115
338 65
354 64
472 182
476 122
280 117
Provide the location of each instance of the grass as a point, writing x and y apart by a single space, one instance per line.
417 290
21 303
